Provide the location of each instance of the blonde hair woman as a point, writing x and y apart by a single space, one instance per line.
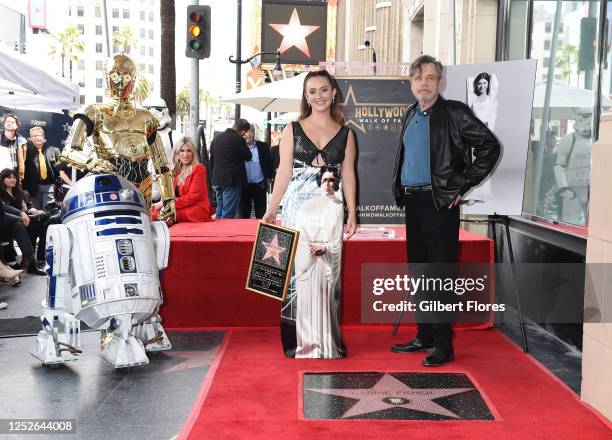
192 204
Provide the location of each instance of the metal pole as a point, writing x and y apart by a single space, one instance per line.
543 144
600 54
194 95
106 28
238 54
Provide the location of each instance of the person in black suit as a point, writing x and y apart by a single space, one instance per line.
259 172
228 151
41 167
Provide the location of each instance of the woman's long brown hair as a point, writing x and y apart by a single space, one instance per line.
306 110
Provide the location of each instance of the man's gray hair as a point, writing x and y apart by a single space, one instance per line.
417 65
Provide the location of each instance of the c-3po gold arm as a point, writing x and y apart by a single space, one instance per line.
73 153
162 172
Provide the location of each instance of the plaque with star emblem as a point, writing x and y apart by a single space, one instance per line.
393 396
297 28
272 260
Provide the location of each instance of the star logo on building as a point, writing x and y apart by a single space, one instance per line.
273 250
66 127
294 34
390 392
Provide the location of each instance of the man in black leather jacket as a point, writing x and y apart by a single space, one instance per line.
434 168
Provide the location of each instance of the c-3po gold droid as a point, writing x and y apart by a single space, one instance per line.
124 138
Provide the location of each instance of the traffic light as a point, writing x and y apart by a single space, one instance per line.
198 32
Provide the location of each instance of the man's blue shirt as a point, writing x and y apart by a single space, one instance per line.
415 168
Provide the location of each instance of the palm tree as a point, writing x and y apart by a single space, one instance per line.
143 89
183 105
167 76
124 39
66 45
567 61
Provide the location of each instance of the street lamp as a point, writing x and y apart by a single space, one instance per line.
366 43
277 72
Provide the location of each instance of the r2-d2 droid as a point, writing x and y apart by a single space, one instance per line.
108 253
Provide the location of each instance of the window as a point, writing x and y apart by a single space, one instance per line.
151 34
143 33
81 28
115 29
151 69
151 17
151 52
141 67
82 99
98 12
115 13
99 65
98 47
142 16
126 13
99 83
98 29
80 11
81 65
554 161
142 50
98 99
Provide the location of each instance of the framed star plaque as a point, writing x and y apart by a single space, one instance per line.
297 28
272 260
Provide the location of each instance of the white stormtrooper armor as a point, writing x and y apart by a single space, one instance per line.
572 169
108 254
169 137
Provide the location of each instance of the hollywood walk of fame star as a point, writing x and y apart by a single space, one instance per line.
294 34
273 249
191 359
390 392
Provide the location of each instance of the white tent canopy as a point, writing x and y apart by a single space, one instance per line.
278 96
26 86
565 100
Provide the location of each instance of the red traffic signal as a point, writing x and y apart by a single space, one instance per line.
198 32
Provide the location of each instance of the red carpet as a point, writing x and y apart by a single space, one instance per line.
204 282
254 392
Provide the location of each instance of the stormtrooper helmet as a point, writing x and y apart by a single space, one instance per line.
583 121
157 106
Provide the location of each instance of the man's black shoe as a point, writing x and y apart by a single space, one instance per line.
33 270
437 358
411 347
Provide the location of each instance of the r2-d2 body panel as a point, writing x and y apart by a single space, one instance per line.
114 264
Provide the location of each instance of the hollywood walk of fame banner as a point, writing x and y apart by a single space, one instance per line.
373 108
272 260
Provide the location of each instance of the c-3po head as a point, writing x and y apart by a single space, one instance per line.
121 77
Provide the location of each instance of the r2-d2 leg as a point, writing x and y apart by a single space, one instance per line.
119 346
60 338
150 331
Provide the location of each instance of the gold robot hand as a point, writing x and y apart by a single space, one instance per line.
168 213
103 166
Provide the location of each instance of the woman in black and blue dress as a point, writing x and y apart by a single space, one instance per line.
318 138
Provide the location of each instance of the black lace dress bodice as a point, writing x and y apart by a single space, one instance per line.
305 151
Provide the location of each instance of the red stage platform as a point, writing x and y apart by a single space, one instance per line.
204 282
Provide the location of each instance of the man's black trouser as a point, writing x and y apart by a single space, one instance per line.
254 194
432 237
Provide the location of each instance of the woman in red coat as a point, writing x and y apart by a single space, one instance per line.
192 204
